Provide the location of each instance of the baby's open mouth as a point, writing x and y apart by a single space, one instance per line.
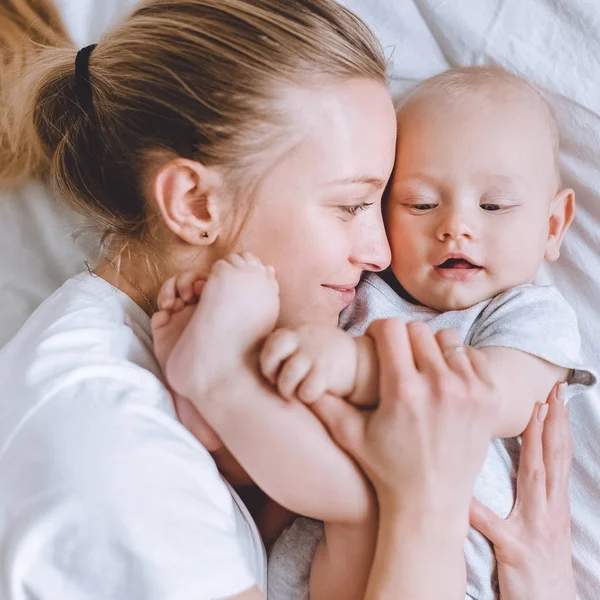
457 263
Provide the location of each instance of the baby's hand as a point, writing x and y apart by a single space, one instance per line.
308 362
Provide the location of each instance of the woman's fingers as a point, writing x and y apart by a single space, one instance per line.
454 352
425 348
394 353
546 455
480 366
488 523
557 445
531 478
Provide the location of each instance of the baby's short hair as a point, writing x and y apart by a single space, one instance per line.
483 81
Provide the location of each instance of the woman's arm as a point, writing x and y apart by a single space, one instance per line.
419 556
533 545
287 451
422 448
343 561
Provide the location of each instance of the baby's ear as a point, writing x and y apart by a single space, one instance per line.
562 211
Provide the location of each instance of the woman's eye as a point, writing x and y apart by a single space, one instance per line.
354 210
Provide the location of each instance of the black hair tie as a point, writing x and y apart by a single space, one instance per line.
83 87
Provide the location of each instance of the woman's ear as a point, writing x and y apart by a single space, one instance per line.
188 196
562 211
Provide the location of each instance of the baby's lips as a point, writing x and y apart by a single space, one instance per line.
457 263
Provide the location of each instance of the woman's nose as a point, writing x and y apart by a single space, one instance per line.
372 250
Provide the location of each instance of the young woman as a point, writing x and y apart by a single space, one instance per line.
193 129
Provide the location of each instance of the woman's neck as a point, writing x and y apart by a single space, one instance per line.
118 275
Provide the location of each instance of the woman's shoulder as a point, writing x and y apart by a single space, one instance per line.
104 480
87 332
86 311
109 436
96 465
81 357
80 380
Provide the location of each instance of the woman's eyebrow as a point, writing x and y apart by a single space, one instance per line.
364 179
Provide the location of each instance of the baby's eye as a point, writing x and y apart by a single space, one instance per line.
498 203
421 207
490 207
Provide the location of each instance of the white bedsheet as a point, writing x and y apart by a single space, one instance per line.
555 43
38 251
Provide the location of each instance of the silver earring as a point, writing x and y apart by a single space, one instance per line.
205 234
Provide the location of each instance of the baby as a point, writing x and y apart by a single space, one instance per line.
473 209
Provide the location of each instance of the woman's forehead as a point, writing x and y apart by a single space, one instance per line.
349 135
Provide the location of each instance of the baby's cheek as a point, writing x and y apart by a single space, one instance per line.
513 269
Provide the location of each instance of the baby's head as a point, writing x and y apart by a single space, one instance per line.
475 203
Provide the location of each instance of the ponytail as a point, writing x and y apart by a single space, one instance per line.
33 43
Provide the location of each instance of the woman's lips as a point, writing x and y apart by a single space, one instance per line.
345 293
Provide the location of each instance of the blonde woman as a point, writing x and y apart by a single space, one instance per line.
197 128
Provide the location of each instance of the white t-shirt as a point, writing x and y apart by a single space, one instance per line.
104 494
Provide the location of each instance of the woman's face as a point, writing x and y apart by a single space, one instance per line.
316 217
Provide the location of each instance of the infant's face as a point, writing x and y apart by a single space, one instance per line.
469 205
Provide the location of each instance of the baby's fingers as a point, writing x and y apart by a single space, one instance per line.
186 287
168 294
313 388
293 372
279 346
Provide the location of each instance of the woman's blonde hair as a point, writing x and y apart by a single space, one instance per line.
199 79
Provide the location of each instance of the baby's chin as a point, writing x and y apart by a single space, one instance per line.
448 296
460 298
447 305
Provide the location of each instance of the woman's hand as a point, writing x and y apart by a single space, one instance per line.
422 448
426 441
533 545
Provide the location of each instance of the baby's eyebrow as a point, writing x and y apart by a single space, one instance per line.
415 183
501 181
417 179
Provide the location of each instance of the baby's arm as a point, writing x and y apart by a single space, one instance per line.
517 329
313 360
522 380
308 362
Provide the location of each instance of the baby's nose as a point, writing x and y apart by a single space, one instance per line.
454 226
